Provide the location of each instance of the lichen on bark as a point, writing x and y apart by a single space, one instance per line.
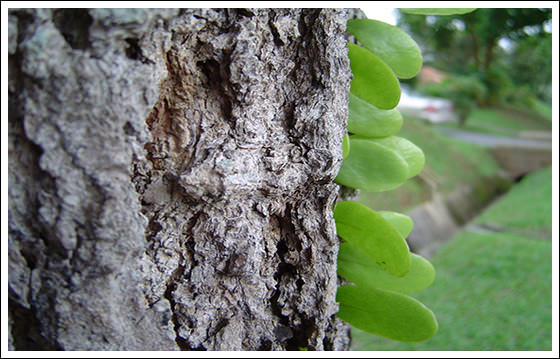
171 178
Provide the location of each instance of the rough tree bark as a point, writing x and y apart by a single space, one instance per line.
171 178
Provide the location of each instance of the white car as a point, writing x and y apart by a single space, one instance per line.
432 109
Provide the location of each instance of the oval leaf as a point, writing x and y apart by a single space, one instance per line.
372 166
434 11
387 314
401 222
366 120
373 80
356 267
411 153
392 45
345 146
373 236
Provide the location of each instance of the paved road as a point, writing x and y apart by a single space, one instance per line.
494 141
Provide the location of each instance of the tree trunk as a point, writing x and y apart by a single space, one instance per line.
488 53
475 54
171 178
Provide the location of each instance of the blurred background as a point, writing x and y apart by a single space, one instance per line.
481 110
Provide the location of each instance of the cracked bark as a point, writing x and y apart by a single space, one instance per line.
171 178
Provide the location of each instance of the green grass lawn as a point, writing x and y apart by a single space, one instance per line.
492 290
526 209
450 162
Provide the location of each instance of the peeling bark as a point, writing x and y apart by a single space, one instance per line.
171 178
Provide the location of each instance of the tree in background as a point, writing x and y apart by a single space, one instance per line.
531 64
464 91
468 44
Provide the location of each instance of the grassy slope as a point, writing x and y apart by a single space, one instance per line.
507 121
544 109
492 291
527 208
452 163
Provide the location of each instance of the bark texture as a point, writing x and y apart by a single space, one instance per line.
171 178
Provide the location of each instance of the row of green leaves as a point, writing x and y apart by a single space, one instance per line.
374 255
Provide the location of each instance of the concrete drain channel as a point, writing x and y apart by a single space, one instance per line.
438 220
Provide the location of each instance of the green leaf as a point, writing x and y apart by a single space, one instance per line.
411 153
356 267
373 80
387 314
366 120
373 236
434 11
345 146
401 222
392 45
372 166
